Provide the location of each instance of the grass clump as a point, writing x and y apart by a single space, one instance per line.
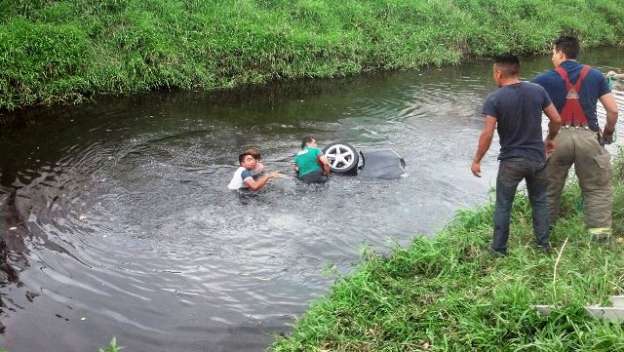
55 51
448 293
112 346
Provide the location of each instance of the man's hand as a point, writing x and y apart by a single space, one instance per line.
610 105
554 123
485 140
607 135
256 185
476 169
549 146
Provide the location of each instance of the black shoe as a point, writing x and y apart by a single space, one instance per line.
601 238
497 253
544 248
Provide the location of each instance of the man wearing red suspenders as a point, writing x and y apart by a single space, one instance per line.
575 89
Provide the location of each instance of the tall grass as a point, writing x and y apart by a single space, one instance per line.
66 50
449 294
112 346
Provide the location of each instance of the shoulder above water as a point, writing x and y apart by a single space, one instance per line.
307 150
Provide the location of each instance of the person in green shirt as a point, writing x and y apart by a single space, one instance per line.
615 79
310 163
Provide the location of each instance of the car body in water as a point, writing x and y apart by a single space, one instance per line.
345 159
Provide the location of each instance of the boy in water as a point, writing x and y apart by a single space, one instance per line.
615 80
248 175
310 163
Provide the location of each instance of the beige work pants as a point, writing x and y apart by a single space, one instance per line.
592 163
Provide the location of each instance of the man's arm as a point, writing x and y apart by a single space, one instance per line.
554 124
324 164
485 140
611 108
256 185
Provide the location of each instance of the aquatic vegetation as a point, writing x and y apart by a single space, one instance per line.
67 51
448 293
112 346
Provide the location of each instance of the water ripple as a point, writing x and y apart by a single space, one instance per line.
131 226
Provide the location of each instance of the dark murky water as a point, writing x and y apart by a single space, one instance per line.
120 224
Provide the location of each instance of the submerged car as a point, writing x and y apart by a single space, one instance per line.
344 159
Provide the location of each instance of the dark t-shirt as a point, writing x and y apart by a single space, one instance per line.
518 112
594 86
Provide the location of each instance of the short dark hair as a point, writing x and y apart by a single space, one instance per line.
253 151
508 64
568 45
241 156
306 140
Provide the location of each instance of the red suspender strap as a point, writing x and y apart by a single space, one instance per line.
564 75
582 75
572 112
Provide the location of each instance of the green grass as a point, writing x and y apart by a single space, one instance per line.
449 294
63 51
112 347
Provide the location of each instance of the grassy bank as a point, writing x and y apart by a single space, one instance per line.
55 51
450 294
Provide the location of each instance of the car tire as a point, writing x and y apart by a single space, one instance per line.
343 158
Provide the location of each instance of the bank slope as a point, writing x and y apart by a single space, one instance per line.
66 50
450 294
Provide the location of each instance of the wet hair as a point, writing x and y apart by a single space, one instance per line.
253 152
568 45
508 64
306 140
241 156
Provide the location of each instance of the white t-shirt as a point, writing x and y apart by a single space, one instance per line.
237 180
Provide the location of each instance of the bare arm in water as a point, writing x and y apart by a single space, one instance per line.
256 185
324 164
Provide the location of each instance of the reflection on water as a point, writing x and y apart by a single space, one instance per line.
120 223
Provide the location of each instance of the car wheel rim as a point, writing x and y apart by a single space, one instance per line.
340 157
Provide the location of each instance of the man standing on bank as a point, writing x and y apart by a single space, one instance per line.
515 110
574 89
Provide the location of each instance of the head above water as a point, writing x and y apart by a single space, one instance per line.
308 141
255 152
565 48
247 160
506 69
